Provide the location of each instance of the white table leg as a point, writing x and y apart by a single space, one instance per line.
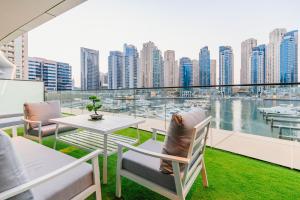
105 159
138 133
56 135
14 131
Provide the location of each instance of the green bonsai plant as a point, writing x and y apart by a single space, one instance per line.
95 106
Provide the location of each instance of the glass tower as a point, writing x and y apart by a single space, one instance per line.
130 76
226 68
115 70
186 72
204 66
158 70
289 58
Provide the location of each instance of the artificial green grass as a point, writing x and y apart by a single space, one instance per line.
230 176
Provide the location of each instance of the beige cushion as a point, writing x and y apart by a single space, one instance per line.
12 171
42 111
39 160
179 136
50 130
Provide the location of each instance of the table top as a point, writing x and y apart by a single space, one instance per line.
109 123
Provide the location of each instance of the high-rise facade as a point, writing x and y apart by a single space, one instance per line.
55 75
64 76
196 72
115 70
131 68
213 71
186 72
158 69
146 64
246 50
204 66
273 56
170 70
226 68
16 52
289 58
258 64
89 69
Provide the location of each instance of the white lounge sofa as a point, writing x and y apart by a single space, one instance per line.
53 175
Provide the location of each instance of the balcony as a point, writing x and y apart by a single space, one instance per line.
246 158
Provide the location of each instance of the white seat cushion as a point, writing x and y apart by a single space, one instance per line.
39 160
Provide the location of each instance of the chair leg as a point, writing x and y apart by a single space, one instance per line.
204 174
118 185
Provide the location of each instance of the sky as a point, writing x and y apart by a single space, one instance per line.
181 25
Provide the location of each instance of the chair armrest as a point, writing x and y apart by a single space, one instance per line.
158 130
33 122
155 132
153 154
26 186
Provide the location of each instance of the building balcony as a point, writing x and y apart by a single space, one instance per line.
252 148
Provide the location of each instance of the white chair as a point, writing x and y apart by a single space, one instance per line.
52 174
141 164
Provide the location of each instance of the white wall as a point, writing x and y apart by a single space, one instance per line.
13 94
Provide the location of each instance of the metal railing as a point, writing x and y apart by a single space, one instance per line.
233 107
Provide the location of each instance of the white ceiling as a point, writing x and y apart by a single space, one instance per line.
19 16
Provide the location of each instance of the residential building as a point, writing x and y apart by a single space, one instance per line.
158 69
289 58
273 56
170 71
146 64
115 70
226 69
246 50
55 75
196 72
48 72
89 69
16 52
258 64
204 66
213 72
131 71
64 76
186 72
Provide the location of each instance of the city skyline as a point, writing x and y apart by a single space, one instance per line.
106 25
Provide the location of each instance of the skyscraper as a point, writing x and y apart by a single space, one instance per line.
258 64
186 72
246 49
289 58
115 70
204 66
213 70
55 75
158 69
170 69
226 68
196 72
273 56
89 69
64 76
16 52
146 64
131 71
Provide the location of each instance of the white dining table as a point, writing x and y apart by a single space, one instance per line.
92 135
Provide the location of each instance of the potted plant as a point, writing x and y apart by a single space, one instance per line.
95 106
